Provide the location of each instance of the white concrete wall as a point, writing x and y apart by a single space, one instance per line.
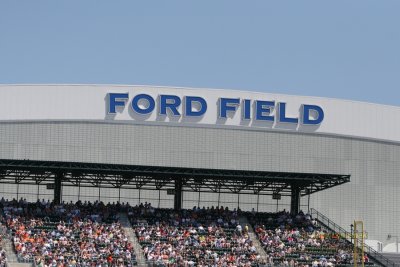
89 103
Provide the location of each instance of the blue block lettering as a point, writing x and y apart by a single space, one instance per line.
227 104
143 110
116 100
189 101
307 109
264 109
282 114
246 109
171 102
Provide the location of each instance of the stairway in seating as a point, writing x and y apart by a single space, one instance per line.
126 224
375 256
394 257
8 246
18 264
253 237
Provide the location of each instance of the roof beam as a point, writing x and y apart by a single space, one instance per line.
160 178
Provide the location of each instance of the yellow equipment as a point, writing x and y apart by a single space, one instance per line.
359 237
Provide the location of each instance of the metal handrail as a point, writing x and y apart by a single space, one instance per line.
331 225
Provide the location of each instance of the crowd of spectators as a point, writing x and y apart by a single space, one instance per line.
69 234
3 257
84 234
299 241
197 237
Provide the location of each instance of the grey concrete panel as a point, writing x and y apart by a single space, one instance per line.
372 195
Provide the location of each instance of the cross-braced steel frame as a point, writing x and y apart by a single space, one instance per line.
59 174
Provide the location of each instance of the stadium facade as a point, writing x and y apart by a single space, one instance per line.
212 129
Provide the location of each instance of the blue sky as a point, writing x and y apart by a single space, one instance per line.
342 49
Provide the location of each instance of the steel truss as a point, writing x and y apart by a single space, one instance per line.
163 178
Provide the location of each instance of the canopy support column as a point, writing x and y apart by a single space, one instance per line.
295 199
178 194
58 187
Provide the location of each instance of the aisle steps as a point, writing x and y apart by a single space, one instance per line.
126 224
8 245
253 237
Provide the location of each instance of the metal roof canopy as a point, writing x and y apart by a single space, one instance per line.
156 178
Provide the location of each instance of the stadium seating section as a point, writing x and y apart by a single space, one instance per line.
192 237
89 234
78 234
298 240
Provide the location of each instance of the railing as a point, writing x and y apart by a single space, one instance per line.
331 225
